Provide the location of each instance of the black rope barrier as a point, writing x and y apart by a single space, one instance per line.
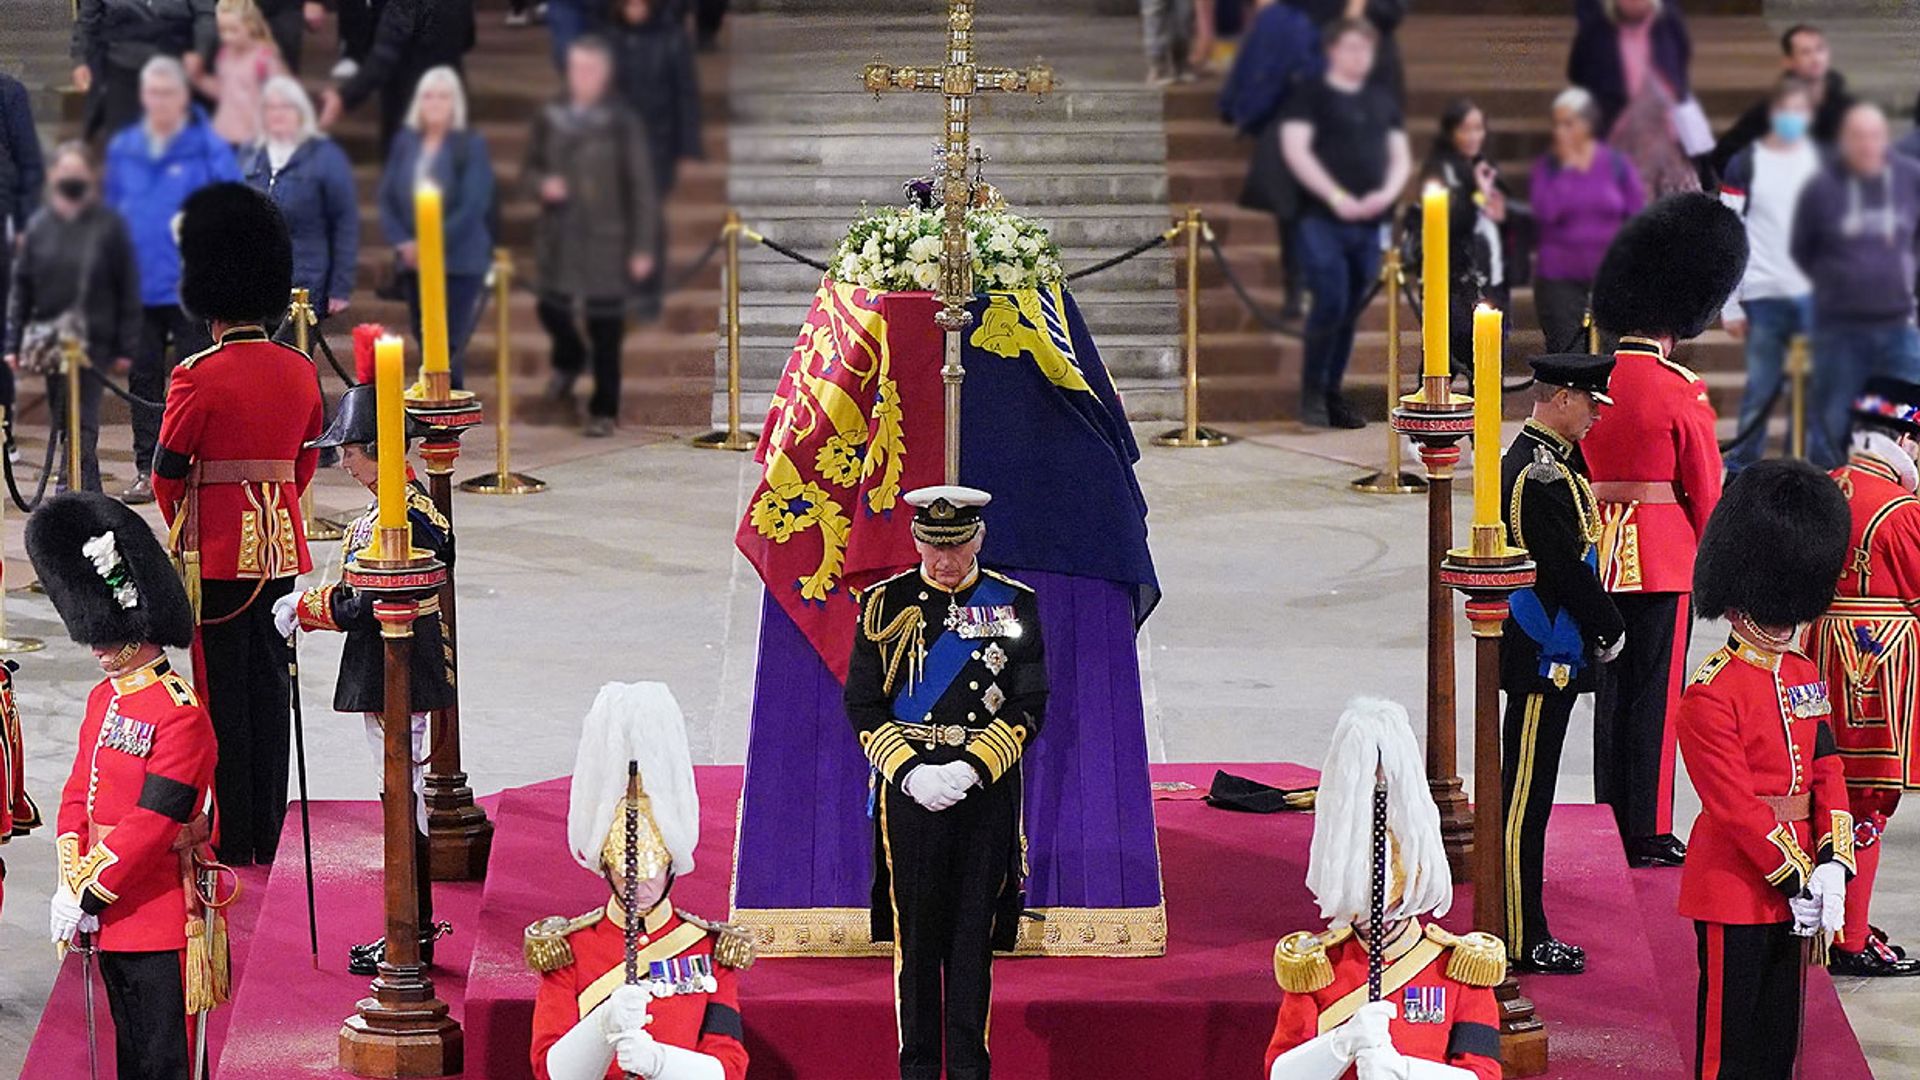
55 437
126 395
1126 256
781 249
333 361
1273 323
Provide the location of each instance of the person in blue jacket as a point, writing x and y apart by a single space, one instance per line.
152 166
436 145
309 177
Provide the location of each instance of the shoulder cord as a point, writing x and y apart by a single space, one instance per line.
904 637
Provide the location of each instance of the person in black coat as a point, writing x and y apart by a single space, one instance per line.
1805 55
340 607
1385 17
1280 50
654 74
114 39
1556 632
1594 62
22 172
413 37
1478 216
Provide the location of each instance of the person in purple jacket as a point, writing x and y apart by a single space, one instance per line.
1582 191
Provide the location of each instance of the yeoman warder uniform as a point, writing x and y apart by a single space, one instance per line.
1557 635
1436 1018
1657 473
946 689
1772 848
633 811
228 477
19 815
134 815
1868 647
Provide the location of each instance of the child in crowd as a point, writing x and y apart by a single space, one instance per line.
246 60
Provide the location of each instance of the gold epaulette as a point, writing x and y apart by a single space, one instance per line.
423 503
995 575
1479 959
732 945
1680 369
545 944
1300 963
1711 666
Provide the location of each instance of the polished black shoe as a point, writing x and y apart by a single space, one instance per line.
1552 957
1876 961
1663 850
1874 933
365 959
1341 415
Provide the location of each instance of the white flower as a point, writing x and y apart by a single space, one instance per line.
926 276
924 249
101 550
126 595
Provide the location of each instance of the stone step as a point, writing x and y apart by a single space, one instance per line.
1026 187
1079 103
903 146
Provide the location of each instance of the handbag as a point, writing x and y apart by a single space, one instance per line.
42 342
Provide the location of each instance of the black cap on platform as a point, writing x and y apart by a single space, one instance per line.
946 515
1575 371
356 421
1775 545
1670 269
236 260
106 573
1889 403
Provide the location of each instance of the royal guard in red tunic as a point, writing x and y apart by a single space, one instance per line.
1656 472
1773 845
636 988
1868 646
228 476
134 816
18 814
1435 1018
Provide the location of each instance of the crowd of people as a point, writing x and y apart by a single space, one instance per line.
182 94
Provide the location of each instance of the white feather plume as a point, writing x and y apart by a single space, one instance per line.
633 722
1375 732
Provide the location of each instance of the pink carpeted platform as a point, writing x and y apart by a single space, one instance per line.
1233 885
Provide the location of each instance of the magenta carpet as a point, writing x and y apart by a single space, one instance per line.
1233 886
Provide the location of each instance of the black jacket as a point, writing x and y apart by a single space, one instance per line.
363 659
413 36
654 71
1385 16
22 170
125 34
1558 523
46 280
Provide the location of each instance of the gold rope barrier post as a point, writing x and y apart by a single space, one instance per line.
1190 433
732 438
1797 367
75 359
503 480
1392 480
10 644
300 311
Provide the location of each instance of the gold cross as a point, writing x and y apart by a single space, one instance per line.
959 80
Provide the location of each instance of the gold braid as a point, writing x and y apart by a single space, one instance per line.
904 637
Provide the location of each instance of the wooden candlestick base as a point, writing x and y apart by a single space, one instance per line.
459 835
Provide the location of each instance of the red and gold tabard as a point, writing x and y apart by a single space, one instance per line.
1868 642
18 814
582 961
229 468
134 805
1753 727
1656 470
1442 985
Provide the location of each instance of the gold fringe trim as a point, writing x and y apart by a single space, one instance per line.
1061 931
209 973
1300 963
544 945
732 945
1478 959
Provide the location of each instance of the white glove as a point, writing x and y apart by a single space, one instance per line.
959 776
929 786
286 614
1612 652
1365 1029
63 917
625 1012
89 924
1387 1063
639 1055
1828 885
1806 914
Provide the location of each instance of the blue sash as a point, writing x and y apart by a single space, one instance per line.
1561 643
947 657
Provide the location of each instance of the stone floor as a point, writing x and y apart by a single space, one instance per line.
1285 593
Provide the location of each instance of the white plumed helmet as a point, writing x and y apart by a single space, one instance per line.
638 722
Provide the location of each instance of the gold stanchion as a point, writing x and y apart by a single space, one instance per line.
76 359
732 438
1190 433
503 480
1797 369
9 644
1392 480
300 311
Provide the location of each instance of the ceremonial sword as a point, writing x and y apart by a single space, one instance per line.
86 952
210 885
300 764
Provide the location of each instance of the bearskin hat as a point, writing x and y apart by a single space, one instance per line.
236 261
106 573
1774 547
1671 269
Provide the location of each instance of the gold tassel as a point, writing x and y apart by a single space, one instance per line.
222 961
208 975
1300 963
1479 959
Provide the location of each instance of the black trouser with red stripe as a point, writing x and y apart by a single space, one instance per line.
1534 734
1633 733
1748 1023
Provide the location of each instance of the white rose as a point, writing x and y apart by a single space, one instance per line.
926 275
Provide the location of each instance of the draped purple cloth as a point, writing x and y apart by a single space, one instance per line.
806 840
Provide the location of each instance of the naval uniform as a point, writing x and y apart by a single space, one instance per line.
937 677
693 963
1442 985
1753 728
131 815
1868 646
1547 651
228 476
1656 468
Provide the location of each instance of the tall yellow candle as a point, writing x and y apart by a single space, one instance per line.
389 360
429 233
1486 415
1434 303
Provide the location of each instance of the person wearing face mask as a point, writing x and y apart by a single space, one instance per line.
633 818
1805 55
1853 236
77 263
1868 645
1774 303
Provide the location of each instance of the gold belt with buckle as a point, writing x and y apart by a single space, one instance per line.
936 734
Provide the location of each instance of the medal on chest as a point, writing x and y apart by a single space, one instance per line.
681 975
992 620
1424 1005
1808 701
125 734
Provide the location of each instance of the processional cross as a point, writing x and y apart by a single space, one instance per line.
959 80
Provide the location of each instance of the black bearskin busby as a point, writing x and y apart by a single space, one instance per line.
1774 547
108 591
1671 268
236 261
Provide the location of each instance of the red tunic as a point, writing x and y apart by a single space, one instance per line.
18 814
707 1023
1868 642
1659 431
1753 729
237 414
143 771
1454 1022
